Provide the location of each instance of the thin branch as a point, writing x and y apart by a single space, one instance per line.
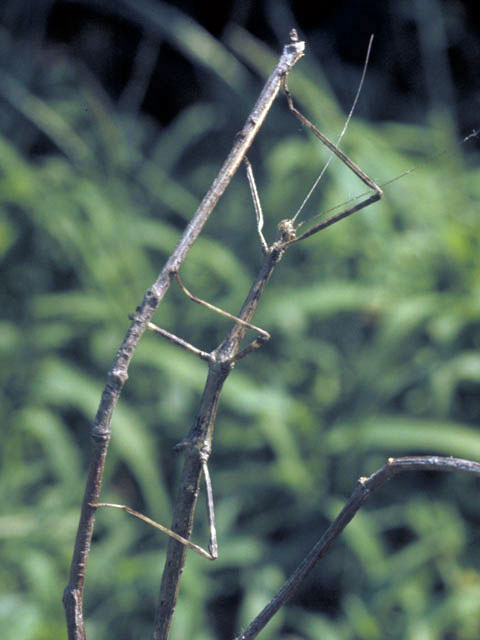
101 431
361 493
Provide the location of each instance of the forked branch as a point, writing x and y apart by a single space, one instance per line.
101 431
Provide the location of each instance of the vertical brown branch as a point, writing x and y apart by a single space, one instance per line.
101 432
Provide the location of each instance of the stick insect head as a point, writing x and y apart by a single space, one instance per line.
286 231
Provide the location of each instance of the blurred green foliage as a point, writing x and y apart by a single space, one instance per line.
375 352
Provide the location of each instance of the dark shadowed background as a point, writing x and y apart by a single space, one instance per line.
114 119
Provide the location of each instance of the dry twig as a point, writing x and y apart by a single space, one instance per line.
361 493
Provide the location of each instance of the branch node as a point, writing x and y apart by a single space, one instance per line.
117 378
151 298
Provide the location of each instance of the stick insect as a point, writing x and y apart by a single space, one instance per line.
228 353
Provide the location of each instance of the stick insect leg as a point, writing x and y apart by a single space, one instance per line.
256 204
334 149
378 193
212 546
171 337
206 554
262 337
262 333
212 553
336 218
